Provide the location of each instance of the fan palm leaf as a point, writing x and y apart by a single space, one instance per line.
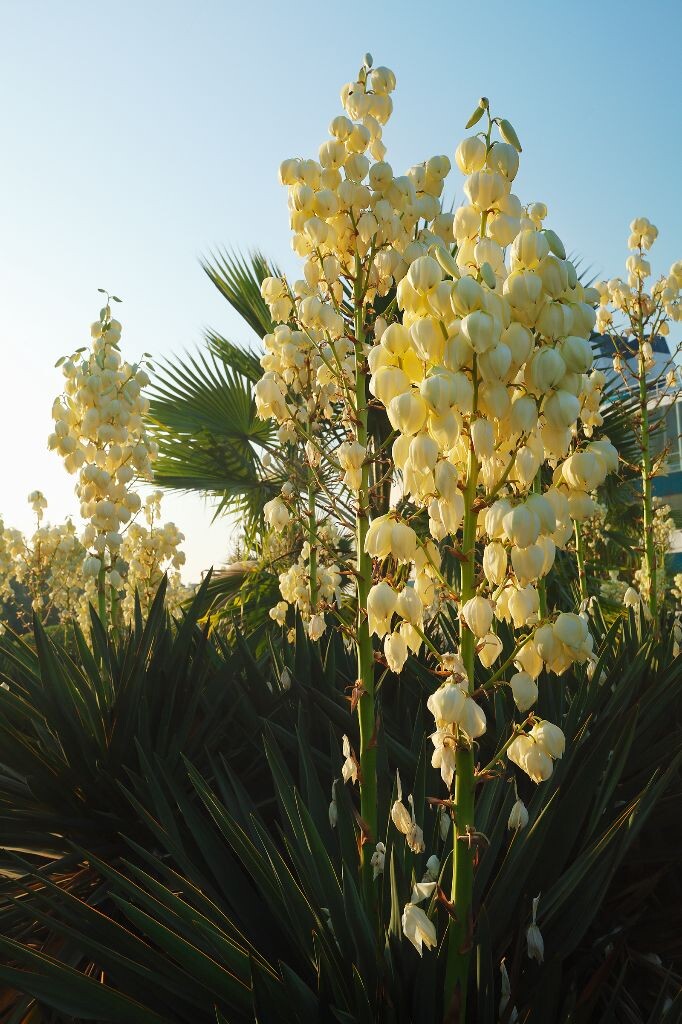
239 278
203 417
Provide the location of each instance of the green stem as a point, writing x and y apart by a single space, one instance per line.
102 595
647 502
460 938
366 710
115 608
542 586
580 561
312 541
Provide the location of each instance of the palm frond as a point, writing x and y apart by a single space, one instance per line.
203 417
239 278
240 360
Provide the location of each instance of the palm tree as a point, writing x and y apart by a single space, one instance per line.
203 413
203 416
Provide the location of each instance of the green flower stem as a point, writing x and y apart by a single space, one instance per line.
509 661
499 756
460 938
312 541
580 561
102 595
647 502
542 586
365 680
115 609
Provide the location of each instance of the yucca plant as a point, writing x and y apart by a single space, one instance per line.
225 912
77 720
470 338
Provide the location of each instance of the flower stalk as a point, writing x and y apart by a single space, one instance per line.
459 941
312 540
102 595
365 652
647 500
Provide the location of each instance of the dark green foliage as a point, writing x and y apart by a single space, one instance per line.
222 898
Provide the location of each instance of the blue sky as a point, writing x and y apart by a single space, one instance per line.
136 139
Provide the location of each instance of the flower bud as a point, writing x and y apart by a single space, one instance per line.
409 607
534 941
518 817
524 690
467 296
395 650
571 630
472 719
477 612
470 154
489 649
549 738
495 563
482 438
446 704
407 412
480 330
276 514
381 602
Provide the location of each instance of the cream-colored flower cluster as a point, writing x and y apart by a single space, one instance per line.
48 563
295 584
482 363
99 432
147 553
663 530
658 306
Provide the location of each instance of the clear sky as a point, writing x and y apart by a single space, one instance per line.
136 136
